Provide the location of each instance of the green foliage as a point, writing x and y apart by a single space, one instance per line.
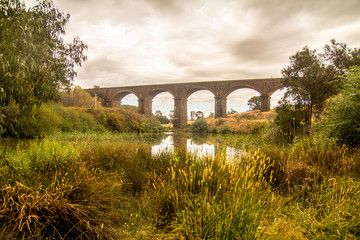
289 121
342 116
51 117
162 119
312 78
225 130
232 111
150 125
254 103
35 62
199 115
258 128
78 97
81 188
200 126
118 119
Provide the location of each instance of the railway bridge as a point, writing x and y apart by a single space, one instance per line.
181 91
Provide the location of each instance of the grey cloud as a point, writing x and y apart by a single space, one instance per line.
322 13
196 47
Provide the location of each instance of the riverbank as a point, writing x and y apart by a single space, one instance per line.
67 188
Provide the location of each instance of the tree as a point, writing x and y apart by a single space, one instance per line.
342 116
254 103
312 78
150 125
199 114
158 113
289 121
171 115
35 62
161 118
192 115
78 97
232 111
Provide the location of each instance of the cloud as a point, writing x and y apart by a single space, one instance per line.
134 42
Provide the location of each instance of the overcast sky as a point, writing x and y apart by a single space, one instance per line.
135 42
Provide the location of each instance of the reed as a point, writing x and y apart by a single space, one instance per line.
99 187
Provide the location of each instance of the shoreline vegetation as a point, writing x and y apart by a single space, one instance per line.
76 187
89 174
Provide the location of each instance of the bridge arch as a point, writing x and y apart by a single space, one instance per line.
237 100
118 97
152 94
187 93
276 96
201 100
162 101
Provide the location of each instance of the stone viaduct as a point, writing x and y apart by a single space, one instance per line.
181 91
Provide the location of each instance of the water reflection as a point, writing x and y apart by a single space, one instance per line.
199 145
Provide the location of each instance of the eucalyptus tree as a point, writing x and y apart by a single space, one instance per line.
35 61
254 103
312 78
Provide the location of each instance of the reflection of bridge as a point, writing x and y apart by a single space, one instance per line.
181 92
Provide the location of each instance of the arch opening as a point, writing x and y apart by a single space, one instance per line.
128 100
276 97
237 100
200 104
164 103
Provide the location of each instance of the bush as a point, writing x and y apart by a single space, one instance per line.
224 130
118 119
78 97
150 125
200 126
342 117
289 121
52 117
162 119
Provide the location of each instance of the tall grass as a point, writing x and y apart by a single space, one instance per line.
219 199
115 189
47 193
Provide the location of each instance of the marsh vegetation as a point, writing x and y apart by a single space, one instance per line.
69 187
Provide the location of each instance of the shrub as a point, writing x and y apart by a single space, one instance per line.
52 117
289 121
78 97
342 117
224 130
162 119
150 125
118 119
200 126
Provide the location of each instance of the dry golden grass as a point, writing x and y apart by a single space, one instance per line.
243 122
269 116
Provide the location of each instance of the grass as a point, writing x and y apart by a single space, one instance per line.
76 186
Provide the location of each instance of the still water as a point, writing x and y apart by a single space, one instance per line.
199 145
208 145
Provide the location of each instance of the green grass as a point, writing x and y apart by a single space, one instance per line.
105 186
